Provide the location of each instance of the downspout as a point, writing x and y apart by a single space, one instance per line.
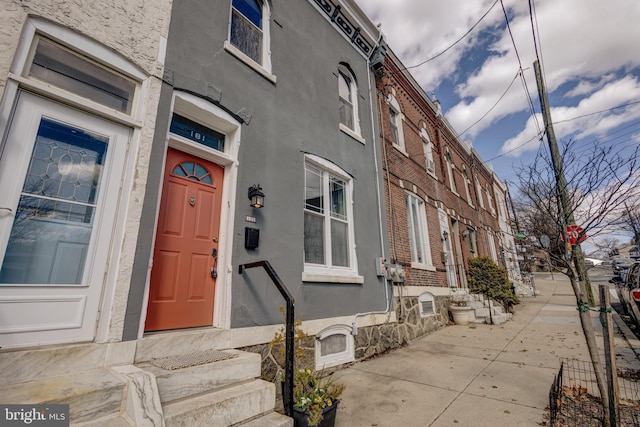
354 328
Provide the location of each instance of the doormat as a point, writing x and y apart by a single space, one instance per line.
192 359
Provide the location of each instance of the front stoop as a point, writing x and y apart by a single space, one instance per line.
222 408
481 313
90 395
222 393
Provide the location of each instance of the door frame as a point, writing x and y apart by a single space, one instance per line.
212 116
86 297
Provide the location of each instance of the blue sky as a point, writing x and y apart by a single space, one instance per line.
588 50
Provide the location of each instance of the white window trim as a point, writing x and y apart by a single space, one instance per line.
400 144
450 169
427 145
86 47
352 134
327 273
427 297
422 231
264 69
335 359
479 191
356 131
492 246
467 182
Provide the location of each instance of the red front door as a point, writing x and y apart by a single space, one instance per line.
182 285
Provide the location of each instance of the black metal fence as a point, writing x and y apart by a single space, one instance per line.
574 398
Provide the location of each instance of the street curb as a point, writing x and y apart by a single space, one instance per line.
627 333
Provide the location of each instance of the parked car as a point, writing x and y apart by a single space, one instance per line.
618 265
628 290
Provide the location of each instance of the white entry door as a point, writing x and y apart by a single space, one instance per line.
60 175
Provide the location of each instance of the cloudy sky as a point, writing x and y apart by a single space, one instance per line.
589 53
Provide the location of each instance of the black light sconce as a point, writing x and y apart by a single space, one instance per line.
445 235
256 196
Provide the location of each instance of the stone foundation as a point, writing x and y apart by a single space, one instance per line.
370 341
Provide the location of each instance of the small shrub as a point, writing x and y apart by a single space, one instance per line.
487 278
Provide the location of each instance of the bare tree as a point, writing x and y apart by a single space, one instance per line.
598 183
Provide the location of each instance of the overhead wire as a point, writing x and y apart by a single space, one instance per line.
494 105
456 42
524 81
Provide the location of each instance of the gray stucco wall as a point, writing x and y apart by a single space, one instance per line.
297 115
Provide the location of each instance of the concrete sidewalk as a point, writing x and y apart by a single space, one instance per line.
477 375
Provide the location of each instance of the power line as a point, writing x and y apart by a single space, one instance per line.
494 105
598 112
524 81
456 42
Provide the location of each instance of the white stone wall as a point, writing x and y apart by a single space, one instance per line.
135 29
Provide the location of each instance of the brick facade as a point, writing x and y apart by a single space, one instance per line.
451 187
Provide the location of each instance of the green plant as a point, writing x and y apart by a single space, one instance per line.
312 393
486 277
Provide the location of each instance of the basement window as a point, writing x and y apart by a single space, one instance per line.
334 346
427 305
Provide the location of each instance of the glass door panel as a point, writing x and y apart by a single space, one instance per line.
55 215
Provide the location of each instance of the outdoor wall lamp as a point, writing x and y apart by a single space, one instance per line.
465 233
256 196
445 235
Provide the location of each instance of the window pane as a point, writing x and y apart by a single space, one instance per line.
313 199
71 72
338 198
251 10
54 218
393 125
346 113
333 344
344 87
313 238
339 244
246 37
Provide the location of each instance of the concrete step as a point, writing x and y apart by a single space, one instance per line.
223 407
273 419
90 394
111 421
194 380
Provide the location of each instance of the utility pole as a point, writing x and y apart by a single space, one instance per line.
565 209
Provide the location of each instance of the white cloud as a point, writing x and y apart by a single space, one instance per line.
588 46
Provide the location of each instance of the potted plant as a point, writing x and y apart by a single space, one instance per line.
315 399
315 396
460 308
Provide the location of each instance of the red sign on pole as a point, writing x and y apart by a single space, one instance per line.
573 234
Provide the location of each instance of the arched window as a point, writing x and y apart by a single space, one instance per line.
348 95
428 151
427 305
334 346
395 122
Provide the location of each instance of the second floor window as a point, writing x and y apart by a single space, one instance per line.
428 151
395 123
345 92
247 28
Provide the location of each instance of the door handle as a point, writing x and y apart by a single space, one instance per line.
214 254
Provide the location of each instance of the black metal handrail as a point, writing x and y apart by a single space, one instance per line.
289 330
